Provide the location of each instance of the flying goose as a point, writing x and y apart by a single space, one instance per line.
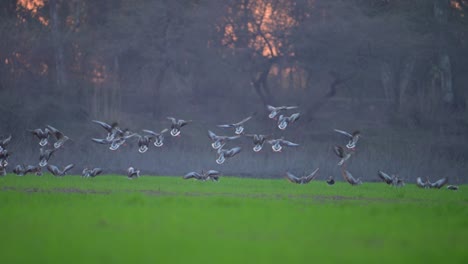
440 183
284 121
59 136
353 138
45 155
132 173
301 180
421 184
115 143
111 129
349 177
143 142
42 135
278 144
57 172
258 140
4 154
330 180
239 126
203 176
276 110
176 125
158 137
218 141
343 154
4 142
91 172
452 187
223 154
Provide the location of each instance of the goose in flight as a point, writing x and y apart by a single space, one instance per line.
176 125
132 173
45 155
158 137
218 141
59 136
239 126
258 140
143 142
58 172
343 154
302 180
91 172
4 142
224 154
4 154
349 177
278 144
284 121
42 135
118 140
112 129
276 110
353 138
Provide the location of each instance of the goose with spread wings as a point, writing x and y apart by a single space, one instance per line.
258 140
91 172
203 176
42 135
274 111
390 179
302 180
157 137
284 121
278 144
343 154
219 141
56 171
353 138
112 129
59 136
224 154
176 125
4 143
239 126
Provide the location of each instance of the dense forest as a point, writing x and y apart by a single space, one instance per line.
394 69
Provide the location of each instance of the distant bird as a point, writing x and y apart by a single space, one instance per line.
276 110
118 140
59 136
353 138
45 155
218 141
42 135
176 125
349 177
284 121
224 154
91 172
439 183
4 142
111 129
4 155
19 170
343 154
158 137
203 176
58 172
278 144
34 169
239 126
143 142
302 180
420 183
330 180
391 180
258 141
132 173
452 187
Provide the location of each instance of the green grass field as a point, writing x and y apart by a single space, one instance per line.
110 219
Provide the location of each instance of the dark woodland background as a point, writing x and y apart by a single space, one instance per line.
397 70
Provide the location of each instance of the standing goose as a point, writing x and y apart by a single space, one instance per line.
42 135
45 155
59 136
330 180
57 172
302 180
133 173
440 183
203 176
353 138
349 177
4 142
343 154
218 141
284 121
158 137
239 126
258 140
276 110
223 154
111 129
91 172
176 125
278 144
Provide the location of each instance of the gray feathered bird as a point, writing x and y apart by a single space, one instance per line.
4 143
59 137
258 140
349 177
219 141
176 125
353 138
239 126
284 121
224 154
157 137
56 171
278 144
91 172
42 135
274 111
133 173
302 180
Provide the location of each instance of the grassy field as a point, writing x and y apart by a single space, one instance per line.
110 219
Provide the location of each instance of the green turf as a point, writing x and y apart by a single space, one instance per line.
110 219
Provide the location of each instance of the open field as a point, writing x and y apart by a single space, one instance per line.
110 219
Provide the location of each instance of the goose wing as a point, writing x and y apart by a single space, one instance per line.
294 117
192 174
288 143
243 121
344 133
96 171
292 178
438 184
339 151
212 135
54 170
311 176
68 167
104 125
212 173
5 141
385 177
232 152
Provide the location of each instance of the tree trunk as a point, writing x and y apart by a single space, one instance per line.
60 73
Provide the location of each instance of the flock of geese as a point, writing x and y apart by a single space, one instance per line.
52 140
